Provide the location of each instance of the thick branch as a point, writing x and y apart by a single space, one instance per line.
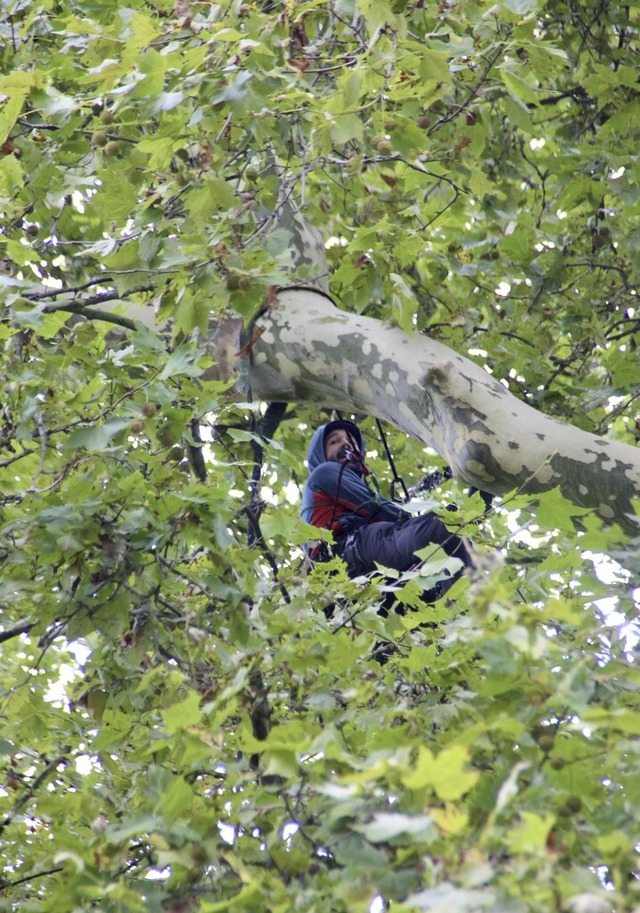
304 349
309 351
85 306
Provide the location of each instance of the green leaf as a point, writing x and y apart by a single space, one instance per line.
532 834
181 362
176 800
19 253
446 773
183 714
159 149
447 897
394 827
14 88
246 898
377 13
11 175
520 7
434 65
520 89
212 195
100 437
132 827
345 127
619 720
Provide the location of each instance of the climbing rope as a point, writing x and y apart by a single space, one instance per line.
396 477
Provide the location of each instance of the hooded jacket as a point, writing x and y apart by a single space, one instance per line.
336 496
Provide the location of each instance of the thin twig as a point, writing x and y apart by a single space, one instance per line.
472 94
33 786
79 306
25 878
55 293
18 456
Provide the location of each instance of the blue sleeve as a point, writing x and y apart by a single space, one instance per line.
352 492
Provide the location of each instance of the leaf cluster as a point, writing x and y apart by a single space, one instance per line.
190 721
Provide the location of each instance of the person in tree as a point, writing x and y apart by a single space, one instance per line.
368 529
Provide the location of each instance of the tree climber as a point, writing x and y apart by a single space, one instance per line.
368 529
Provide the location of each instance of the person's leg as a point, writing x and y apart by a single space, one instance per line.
394 545
428 529
361 549
368 546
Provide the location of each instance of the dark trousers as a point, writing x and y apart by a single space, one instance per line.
394 545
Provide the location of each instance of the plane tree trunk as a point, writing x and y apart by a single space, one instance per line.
305 349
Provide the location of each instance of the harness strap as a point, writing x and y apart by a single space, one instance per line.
337 494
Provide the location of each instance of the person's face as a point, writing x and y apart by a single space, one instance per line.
335 445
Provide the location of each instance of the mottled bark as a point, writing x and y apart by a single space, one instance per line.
304 349
307 350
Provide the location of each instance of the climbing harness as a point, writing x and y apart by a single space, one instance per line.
429 482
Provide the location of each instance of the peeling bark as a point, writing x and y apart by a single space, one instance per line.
304 349
309 351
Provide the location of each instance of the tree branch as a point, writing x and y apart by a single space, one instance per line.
33 787
22 627
55 293
78 306
309 351
98 314
472 94
84 306
26 878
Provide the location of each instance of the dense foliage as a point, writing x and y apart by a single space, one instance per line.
184 726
